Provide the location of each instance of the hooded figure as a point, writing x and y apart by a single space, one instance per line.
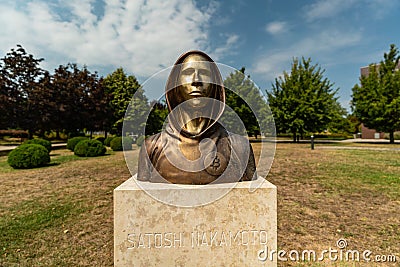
194 147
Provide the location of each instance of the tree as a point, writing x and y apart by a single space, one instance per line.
121 89
69 98
303 100
20 75
78 99
134 121
42 103
354 124
376 101
95 107
157 116
246 100
341 121
4 104
30 98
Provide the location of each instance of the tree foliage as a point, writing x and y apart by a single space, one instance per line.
121 88
245 99
157 116
79 99
20 74
376 101
70 99
342 122
303 100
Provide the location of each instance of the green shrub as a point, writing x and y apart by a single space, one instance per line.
28 156
140 140
101 139
39 141
121 143
74 141
108 140
116 144
89 148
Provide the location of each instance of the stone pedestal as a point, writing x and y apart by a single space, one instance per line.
238 229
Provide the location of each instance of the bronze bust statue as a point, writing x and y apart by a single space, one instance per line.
194 147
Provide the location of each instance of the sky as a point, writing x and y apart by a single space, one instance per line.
147 36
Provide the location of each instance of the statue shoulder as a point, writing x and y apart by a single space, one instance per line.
240 144
152 142
237 139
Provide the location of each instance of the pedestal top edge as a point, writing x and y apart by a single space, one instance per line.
133 184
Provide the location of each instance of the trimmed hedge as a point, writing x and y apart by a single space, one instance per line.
72 142
89 148
39 141
28 156
121 143
108 140
140 140
101 139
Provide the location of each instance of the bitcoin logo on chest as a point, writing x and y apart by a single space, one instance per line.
215 163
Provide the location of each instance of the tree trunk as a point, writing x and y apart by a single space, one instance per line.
294 137
30 134
391 137
41 133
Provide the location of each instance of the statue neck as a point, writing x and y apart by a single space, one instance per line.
195 123
195 126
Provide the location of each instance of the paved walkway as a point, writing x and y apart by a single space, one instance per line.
359 148
370 141
330 141
6 149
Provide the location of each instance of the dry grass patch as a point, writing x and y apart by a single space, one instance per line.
324 195
62 215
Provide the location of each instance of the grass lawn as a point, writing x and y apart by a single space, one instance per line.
62 215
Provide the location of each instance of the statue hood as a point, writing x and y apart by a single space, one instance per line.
212 113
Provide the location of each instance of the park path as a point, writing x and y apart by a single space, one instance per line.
6 149
359 148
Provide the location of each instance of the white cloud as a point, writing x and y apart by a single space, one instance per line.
276 27
323 46
380 8
327 8
227 48
141 36
323 9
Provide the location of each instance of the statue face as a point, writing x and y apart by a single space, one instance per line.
195 80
